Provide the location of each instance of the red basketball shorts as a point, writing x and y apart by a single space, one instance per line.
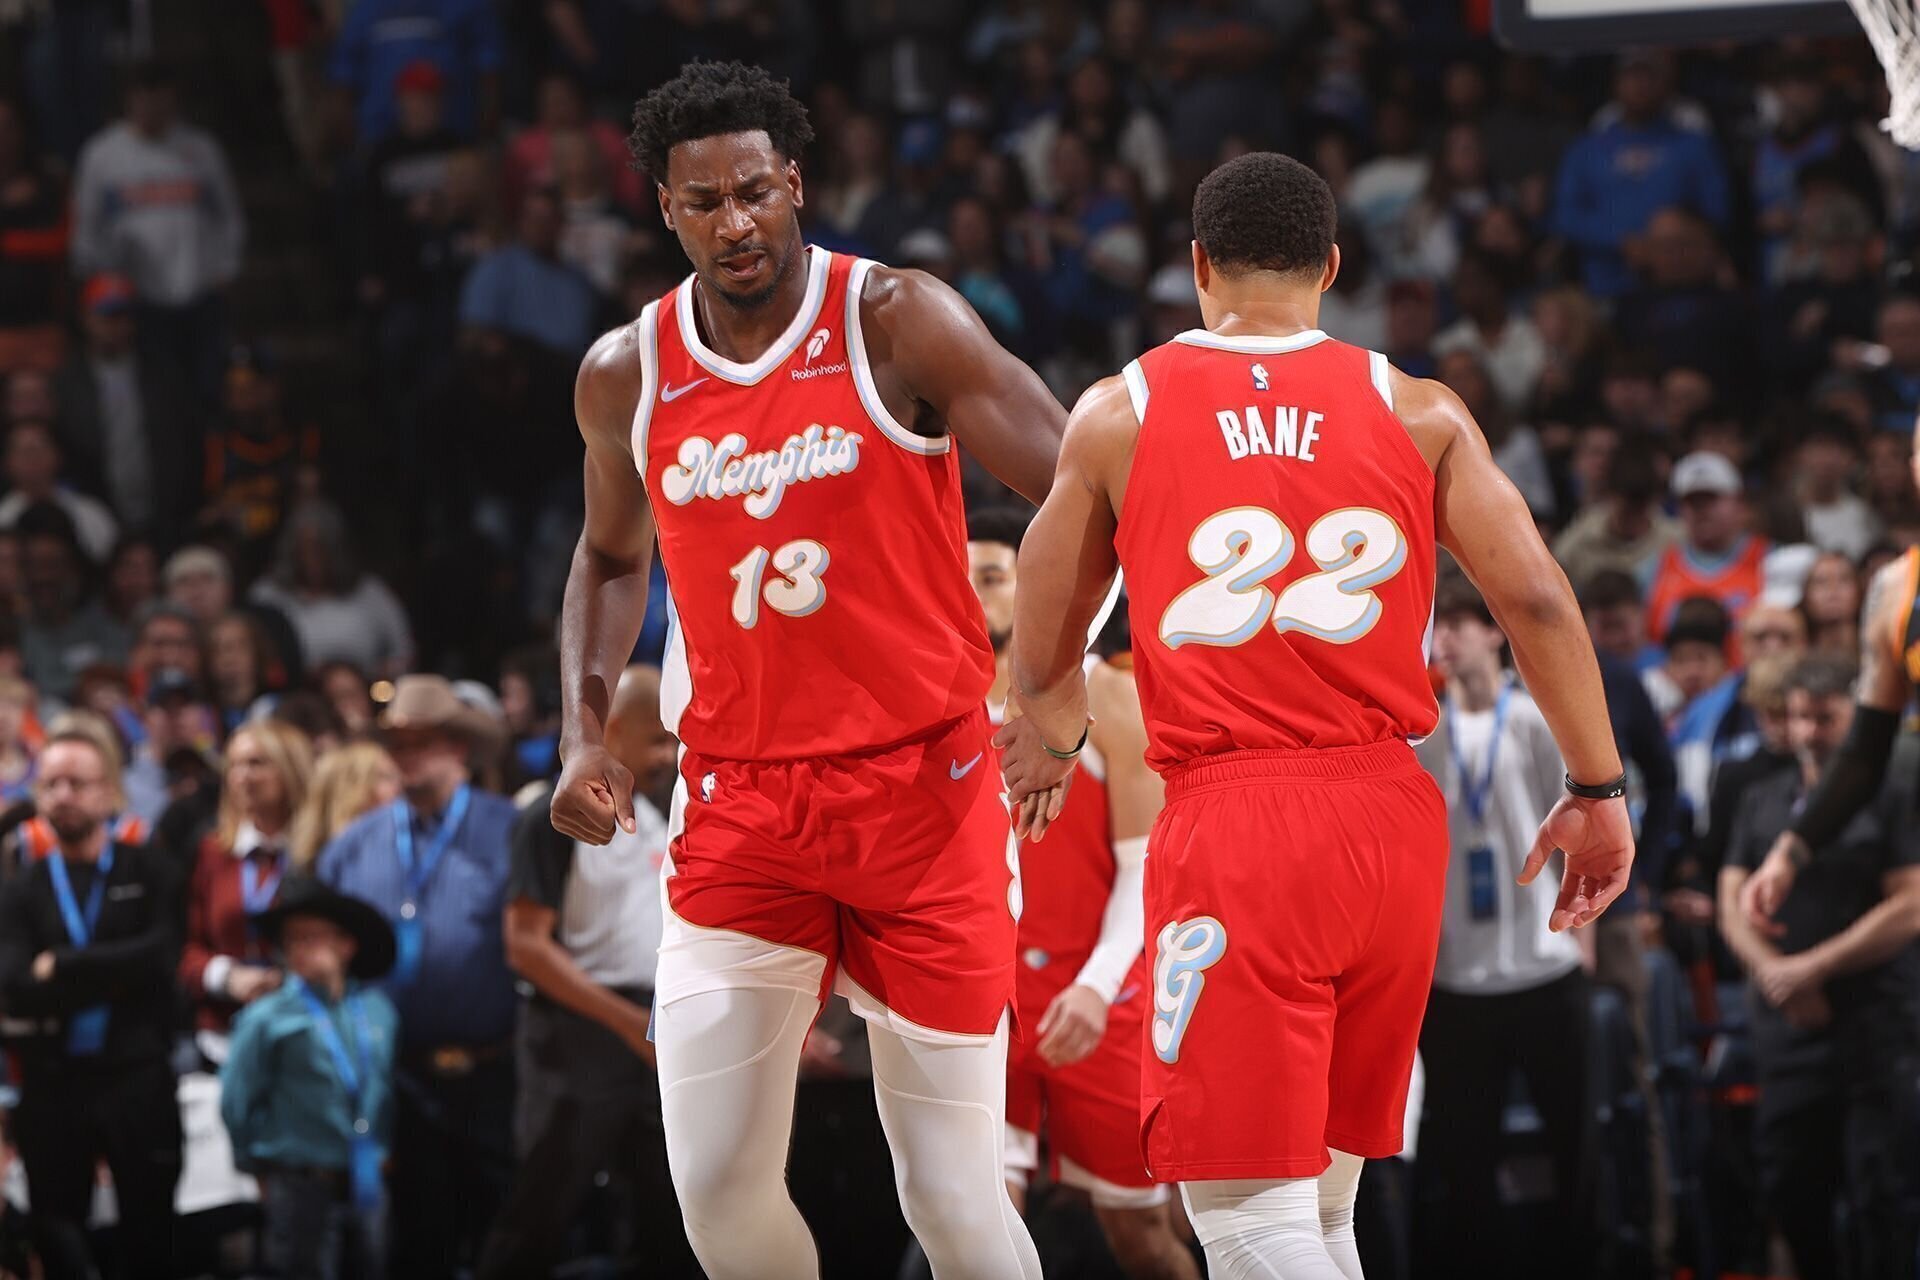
1293 912
1089 1111
888 875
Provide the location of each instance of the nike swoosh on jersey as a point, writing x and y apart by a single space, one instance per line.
674 393
957 771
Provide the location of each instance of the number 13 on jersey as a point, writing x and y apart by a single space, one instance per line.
796 589
1356 549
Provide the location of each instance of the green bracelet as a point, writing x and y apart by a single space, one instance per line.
1078 747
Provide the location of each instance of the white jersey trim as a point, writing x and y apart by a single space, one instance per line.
1382 377
818 262
1252 344
1136 389
870 399
649 384
676 678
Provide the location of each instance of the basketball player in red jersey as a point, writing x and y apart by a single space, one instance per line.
785 421
1082 980
1275 498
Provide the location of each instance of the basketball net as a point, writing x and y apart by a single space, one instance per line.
1893 26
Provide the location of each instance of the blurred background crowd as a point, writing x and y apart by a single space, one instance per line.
291 298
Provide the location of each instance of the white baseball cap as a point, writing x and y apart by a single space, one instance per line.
1783 574
1703 471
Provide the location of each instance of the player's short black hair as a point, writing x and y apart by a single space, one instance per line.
711 98
1265 212
1002 524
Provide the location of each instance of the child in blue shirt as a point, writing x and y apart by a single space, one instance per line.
307 1090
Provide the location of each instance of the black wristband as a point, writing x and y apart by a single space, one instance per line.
1605 791
1078 747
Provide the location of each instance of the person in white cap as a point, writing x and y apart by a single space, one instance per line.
1716 556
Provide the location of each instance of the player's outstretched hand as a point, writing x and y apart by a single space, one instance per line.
595 791
1597 838
1026 764
1072 1026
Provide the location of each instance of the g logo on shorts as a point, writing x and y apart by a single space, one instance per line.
1185 952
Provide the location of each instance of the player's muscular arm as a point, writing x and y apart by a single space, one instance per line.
606 598
1069 551
1481 518
1852 779
930 350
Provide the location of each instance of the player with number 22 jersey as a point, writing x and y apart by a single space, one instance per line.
1275 498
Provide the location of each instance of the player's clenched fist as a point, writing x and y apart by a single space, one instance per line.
594 792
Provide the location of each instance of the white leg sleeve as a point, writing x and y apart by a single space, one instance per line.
729 1062
944 1109
1339 1188
1255 1229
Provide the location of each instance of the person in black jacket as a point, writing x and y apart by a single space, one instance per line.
88 945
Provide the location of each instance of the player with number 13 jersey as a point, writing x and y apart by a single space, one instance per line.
787 421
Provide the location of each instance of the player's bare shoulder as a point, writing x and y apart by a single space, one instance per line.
913 322
1433 415
607 390
1101 433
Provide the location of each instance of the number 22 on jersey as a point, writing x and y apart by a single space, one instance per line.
1239 549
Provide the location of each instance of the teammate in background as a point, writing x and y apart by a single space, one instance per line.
1082 981
1274 497
785 419
1889 672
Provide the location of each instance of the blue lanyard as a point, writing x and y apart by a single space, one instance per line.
417 874
352 1078
80 924
1473 793
255 895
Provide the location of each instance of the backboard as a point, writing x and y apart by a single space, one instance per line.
1590 26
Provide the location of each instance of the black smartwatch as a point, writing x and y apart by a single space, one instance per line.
1604 791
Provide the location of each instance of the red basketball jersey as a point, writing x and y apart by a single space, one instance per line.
1065 879
1277 536
815 549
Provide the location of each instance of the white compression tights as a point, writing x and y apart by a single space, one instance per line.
728 1061
1283 1229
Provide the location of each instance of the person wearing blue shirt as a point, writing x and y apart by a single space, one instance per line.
1636 163
307 1089
381 38
525 291
435 864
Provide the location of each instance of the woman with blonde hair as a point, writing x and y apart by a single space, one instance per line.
350 781
225 964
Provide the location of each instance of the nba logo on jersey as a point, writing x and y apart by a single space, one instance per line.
1259 377
816 344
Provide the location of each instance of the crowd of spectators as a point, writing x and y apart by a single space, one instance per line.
1677 290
